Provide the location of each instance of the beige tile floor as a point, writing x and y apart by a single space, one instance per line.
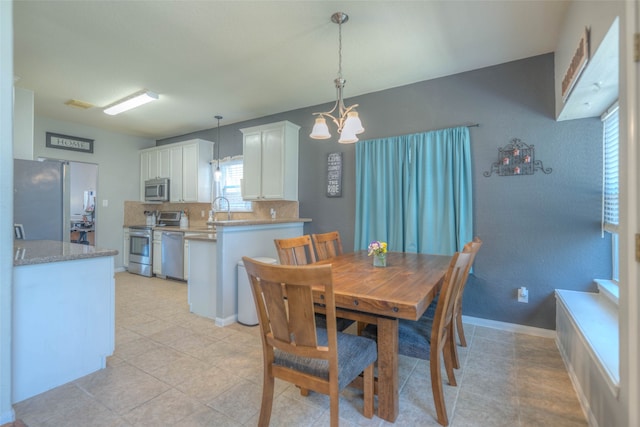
173 368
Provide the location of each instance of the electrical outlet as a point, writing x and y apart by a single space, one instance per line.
202 214
523 295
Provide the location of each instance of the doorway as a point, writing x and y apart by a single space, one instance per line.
83 182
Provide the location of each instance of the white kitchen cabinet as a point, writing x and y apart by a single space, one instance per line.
186 164
157 253
196 171
185 273
270 156
125 248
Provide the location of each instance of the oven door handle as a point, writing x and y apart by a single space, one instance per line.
140 234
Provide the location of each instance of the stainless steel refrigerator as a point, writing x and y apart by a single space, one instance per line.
41 199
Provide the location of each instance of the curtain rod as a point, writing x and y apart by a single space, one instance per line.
475 125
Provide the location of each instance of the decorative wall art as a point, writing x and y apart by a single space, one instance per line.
516 158
334 175
66 142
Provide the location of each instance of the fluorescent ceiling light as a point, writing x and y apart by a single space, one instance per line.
133 101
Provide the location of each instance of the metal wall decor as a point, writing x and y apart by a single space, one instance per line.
516 158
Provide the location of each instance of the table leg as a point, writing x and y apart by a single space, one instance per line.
388 401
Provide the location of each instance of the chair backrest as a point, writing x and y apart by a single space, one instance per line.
327 245
472 248
453 280
284 301
295 251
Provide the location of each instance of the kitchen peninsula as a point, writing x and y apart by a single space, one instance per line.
213 260
63 313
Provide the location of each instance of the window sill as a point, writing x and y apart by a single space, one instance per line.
609 289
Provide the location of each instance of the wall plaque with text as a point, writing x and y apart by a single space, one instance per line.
334 175
66 142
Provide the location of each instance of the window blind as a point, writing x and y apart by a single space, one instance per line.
229 185
610 193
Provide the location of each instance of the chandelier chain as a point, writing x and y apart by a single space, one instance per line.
340 48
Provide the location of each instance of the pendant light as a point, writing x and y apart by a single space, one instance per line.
348 122
218 174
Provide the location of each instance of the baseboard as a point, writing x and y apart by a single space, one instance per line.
222 322
120 270
509 327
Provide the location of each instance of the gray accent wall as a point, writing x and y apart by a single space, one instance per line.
540 231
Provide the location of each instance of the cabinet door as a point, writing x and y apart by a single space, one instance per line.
157 253
273 164
125 247
153 164
185 272
175 174
252 159
164 163
144 171
190 173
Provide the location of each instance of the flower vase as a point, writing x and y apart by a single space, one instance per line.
380 260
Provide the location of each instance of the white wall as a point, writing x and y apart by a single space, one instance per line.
6 206
23 124
118 172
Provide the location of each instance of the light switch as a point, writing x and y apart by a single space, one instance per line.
105 203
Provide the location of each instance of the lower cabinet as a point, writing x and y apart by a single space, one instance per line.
125 248
157 253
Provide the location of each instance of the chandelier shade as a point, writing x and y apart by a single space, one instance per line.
347 120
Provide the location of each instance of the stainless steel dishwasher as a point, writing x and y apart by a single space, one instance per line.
173 254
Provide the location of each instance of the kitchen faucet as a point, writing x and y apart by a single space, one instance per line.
213 206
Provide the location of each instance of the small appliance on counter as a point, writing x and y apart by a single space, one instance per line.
169 218
151 217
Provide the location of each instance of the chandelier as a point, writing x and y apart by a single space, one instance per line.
348 122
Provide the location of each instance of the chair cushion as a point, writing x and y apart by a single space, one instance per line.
355 353
414 337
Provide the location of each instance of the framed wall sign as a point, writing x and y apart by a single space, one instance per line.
66 142
334 175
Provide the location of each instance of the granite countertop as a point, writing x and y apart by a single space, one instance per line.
30 252
202 228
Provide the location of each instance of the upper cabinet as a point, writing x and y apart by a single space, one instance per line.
186 164
270 156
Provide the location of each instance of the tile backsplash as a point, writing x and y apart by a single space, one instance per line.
134 211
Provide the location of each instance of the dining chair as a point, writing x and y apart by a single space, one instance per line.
472 247
295 250
429 338
294 349
299 251
327 245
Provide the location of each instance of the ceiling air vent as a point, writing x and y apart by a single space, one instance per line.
78 104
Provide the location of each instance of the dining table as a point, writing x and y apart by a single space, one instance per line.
383 295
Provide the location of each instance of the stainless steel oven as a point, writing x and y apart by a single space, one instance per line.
141 250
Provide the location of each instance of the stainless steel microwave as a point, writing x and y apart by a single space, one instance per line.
156 190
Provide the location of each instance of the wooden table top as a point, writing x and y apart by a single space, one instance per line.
403 289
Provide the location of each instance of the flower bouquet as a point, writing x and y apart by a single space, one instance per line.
378 250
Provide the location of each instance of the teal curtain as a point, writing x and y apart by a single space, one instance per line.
414 192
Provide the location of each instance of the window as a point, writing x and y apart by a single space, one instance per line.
610 193
229 184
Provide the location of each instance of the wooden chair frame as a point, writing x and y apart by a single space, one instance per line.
328 245
295 250
284 301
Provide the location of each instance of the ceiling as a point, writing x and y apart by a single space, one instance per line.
249 59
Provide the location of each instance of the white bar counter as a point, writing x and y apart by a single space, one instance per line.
63 314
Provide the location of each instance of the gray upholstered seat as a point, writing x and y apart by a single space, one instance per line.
354 352
413 337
